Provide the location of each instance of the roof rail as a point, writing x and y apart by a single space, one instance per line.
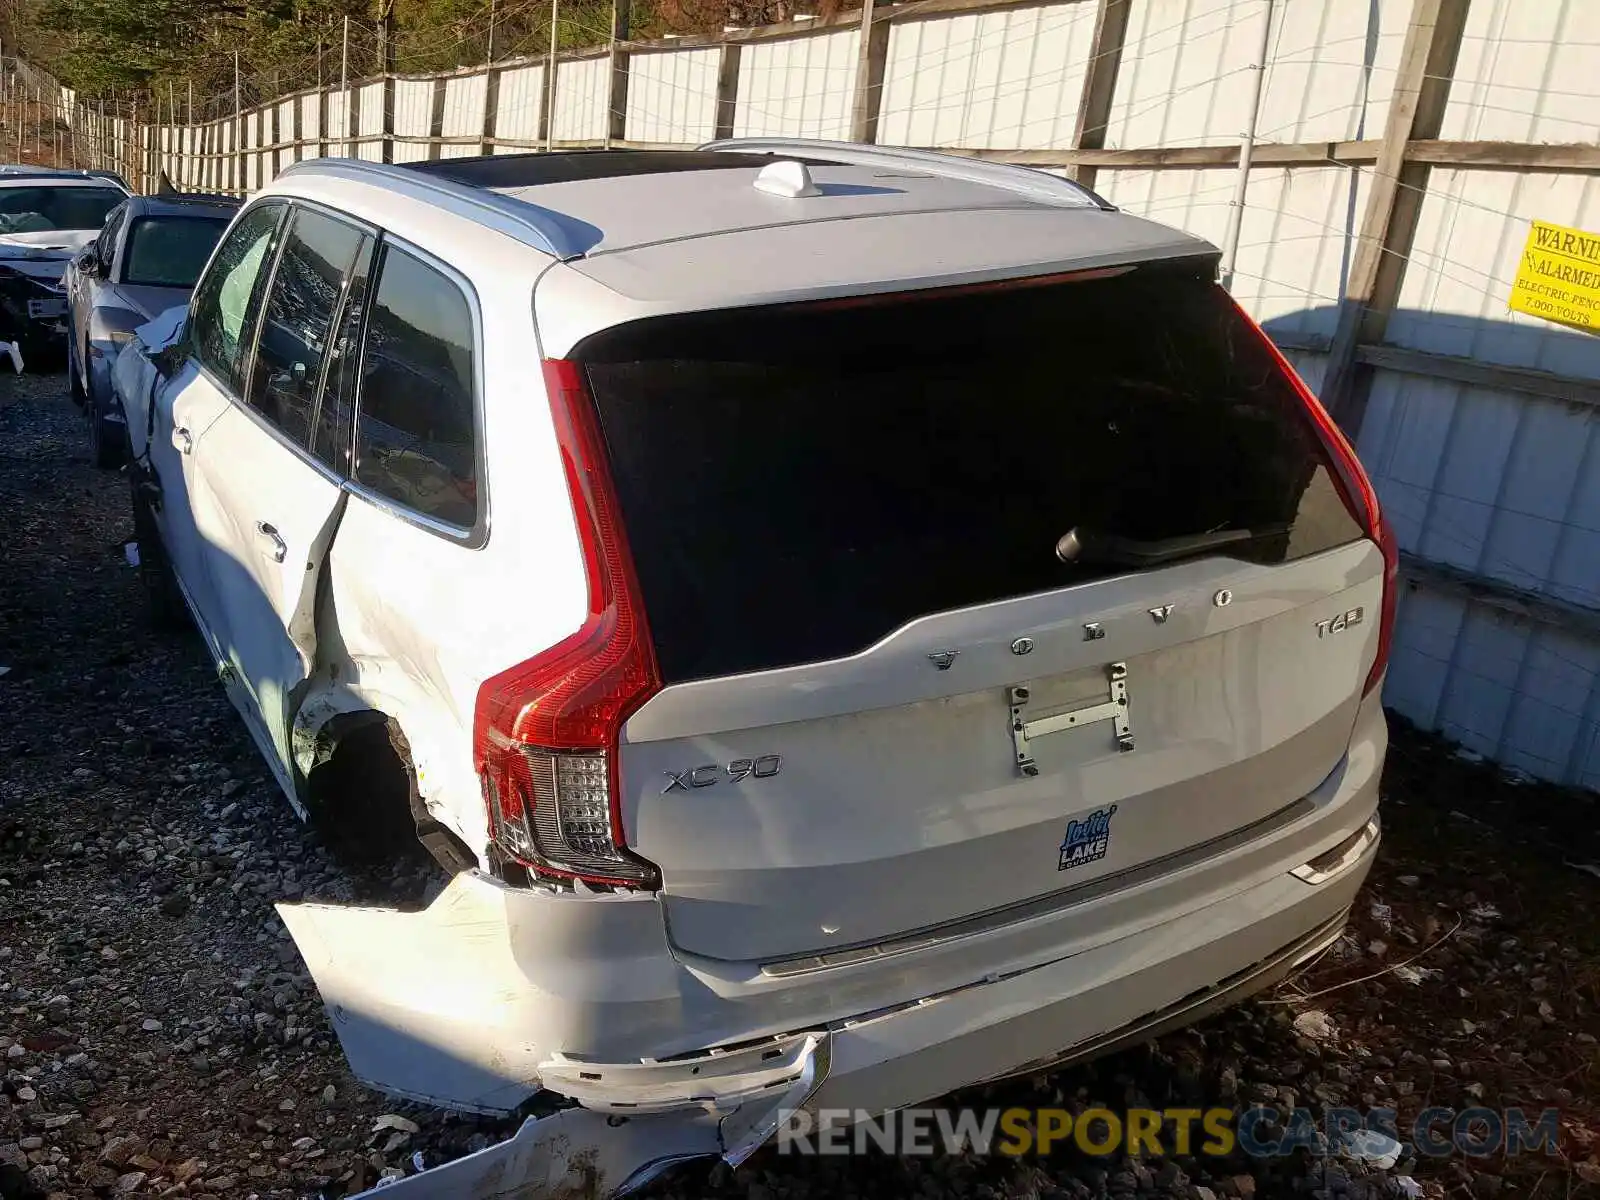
1039 185
544 229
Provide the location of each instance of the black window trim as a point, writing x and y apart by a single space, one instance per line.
242 402
475 537
281 203
247 367
113 264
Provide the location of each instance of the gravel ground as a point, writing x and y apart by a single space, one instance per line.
160 1036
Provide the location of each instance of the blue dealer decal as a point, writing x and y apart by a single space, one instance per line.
1087 840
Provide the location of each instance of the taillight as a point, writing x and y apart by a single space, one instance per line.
545 732
1359 497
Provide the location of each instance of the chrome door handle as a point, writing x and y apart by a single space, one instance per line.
182 440
280 548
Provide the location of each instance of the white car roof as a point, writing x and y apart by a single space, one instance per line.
45 179
643 233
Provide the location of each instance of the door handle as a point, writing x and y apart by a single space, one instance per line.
280 548
182 440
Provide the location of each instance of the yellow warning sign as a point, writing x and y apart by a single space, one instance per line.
1559 276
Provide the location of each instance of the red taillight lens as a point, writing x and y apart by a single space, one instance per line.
1359 497
545 732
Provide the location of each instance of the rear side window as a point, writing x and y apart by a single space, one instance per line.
317 258
221 308
800 481
105 246
415 441
333 426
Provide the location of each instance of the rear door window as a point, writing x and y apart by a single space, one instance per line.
221 309
291 346
105 245
416 442
800 481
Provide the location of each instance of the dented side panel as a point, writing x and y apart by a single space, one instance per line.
266 518
424 614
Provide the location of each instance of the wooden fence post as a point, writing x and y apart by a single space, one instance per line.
388 117
621 64
871 57
436 118
547 102
1416 113
727 90
491 110
1099 83
352 121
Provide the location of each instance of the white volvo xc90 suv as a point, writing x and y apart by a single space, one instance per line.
855 622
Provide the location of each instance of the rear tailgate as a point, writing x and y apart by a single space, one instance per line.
845 521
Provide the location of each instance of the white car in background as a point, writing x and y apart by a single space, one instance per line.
46 218
854 622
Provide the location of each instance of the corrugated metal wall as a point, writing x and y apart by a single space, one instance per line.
583 97
1005 80
413 118
369 118
463 114
798 88
1500 485
672 97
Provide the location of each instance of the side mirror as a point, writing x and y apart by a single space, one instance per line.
87 261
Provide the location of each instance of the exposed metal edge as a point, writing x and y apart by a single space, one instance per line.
1230 991
1025 181
1333 863
1040 905
1505 597
543 229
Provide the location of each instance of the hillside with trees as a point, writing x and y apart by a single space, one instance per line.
183 50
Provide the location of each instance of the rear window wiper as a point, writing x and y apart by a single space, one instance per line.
1082 545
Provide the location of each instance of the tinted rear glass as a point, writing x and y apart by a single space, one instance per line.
170 251
41 208
800 481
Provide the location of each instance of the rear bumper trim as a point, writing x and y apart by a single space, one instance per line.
1043 905
1237 987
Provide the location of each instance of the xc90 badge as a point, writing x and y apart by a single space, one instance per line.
764 767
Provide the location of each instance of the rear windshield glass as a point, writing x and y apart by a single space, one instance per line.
42 208
170 251
800 481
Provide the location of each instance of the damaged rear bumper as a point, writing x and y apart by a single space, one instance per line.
639 1118
495 992
465 1030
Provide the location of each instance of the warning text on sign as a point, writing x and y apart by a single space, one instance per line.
1558 278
